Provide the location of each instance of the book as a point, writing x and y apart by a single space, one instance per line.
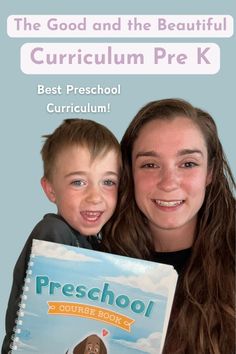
75 298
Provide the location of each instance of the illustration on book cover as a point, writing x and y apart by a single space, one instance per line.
79 301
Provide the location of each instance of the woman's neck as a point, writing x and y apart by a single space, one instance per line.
173 239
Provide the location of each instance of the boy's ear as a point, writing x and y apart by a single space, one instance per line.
48 189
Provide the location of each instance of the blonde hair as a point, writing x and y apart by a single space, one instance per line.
83 132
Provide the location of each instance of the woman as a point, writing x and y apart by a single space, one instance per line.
177 206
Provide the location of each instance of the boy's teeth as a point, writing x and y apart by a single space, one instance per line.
169 204
91 215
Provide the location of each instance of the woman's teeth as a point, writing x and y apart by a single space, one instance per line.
171 203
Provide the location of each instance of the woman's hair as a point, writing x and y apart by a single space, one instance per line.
202 320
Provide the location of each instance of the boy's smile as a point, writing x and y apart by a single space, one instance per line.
84 190
91 216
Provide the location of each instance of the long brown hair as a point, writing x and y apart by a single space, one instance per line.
202 320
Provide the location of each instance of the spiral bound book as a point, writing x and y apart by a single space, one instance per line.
82 301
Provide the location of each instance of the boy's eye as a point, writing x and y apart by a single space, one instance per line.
189 164
78 183
109 182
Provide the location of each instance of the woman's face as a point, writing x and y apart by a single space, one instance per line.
170 174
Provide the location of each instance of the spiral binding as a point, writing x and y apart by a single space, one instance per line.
22 305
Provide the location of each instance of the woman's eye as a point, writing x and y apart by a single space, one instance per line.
149 165
78 183
189 164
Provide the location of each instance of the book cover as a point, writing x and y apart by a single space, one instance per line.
75 298
32 102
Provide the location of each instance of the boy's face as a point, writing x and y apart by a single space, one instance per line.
84 190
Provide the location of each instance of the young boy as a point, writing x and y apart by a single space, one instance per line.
81 174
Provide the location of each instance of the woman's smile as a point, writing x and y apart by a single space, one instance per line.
170 179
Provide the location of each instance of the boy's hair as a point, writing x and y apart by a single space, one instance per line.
73 132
